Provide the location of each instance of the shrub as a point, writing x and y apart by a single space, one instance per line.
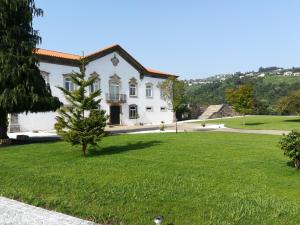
290 144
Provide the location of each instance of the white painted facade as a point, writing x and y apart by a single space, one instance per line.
151 110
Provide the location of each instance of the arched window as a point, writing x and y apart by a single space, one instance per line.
149 90
96 85
114 87
133 87
133 112
68 84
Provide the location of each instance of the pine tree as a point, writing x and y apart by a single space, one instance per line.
81 121
22 88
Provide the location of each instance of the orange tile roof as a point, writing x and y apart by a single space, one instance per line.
158 72
40 51
101 50
61 55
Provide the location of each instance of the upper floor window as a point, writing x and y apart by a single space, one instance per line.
132 90
133 87
149 90
96 85
68 84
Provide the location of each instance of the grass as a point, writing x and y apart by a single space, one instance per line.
190 178
260 122
275 79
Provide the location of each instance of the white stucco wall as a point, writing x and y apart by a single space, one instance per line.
104 67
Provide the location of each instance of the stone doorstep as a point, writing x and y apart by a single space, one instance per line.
13 212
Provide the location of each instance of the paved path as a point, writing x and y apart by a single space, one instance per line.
17 213
271 132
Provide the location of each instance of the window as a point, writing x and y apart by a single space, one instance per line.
163 109
114 90
149 108
133 113
133 87
45 76
68 84
132 90
149 91
96 85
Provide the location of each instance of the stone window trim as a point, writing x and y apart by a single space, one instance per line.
71 86
97 84
149 90
115 78
133 89
133 111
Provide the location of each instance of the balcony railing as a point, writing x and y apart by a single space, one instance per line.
115 98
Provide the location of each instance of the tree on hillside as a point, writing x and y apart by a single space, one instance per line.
290 104
172 91
81 121
241 99
22 88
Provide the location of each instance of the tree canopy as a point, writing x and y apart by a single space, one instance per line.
81 121
241 99
22 88
290 104
173 92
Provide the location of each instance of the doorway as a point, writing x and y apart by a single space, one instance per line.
115 114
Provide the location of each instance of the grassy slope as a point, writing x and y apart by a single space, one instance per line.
261 122
190 178
281 79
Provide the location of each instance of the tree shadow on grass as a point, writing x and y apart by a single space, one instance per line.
140 145
290 164
254 123
293 120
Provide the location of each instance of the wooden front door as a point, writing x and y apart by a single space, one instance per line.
115 114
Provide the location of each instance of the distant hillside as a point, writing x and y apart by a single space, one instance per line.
270 84
272 74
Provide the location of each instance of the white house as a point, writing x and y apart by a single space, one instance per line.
130 92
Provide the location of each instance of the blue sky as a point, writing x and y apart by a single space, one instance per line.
192 38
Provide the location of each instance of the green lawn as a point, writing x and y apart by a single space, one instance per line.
275 79
260 122
190 178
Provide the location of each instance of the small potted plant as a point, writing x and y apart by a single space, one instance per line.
162 126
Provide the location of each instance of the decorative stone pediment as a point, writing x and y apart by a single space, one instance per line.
149 84
95 74
133 81
114 60
115 78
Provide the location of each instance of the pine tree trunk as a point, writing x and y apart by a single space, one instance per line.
297 163
3 125
84 146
